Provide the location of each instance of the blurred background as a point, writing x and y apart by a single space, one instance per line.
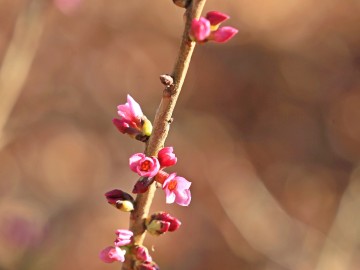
266 128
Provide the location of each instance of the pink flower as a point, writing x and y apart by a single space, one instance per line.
161 222
216 17
67 6
123 238
143 165
200 29
131 112
112 254
132 121
166 157
177 190
223 34
142 253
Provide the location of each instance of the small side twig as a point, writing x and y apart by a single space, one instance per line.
162 122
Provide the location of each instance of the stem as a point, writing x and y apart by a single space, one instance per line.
162 124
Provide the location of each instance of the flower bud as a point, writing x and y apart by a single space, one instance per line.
123 237
166 157
161 222
120 199
215 18
142 185
200 29
223 34
112 254
146 266
141 253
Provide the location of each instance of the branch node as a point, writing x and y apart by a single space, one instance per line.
166 79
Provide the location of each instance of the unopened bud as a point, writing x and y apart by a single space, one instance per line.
142 185
161 222
120 199
141 253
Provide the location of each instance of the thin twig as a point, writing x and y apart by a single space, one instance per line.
161 124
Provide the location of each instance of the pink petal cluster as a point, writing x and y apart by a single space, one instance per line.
123 237
142 254
112 254
132 121
177 190
130 116
146 266
162 222
166 157
204 29
143 165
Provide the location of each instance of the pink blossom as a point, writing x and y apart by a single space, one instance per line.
130 112
216 17
67 6
143 165
177 190
111 254
166 157
123 238
142 254
223 34
200 29
161 222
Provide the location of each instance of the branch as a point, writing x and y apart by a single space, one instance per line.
162 124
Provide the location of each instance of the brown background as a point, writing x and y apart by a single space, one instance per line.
267 129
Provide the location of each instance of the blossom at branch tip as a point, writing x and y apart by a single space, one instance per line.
132 121
200 29
67 6
123 237
207 29
161 222
120 199
166 157
177 190
112 254
143 165
141 253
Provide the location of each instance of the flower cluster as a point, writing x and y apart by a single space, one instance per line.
207 28
150 168
132 121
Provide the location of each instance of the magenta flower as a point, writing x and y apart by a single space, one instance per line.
200 29
205 29
161 222
223 34
123 237
141 253
216 17
177 190
143 165
131 112
132 121
166 157
112 254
